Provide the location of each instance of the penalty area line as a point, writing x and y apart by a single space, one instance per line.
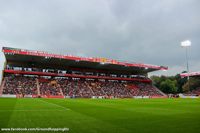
54 104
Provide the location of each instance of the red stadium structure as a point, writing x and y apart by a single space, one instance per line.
192 74
30 73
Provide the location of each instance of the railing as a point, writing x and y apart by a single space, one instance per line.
159 91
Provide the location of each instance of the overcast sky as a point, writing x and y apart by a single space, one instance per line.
146 31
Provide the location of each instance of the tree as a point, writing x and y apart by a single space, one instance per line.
194 83
175 84
169 86
158 80
180 82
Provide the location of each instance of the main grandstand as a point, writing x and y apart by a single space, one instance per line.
30 73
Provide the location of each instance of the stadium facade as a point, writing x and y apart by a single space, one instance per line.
29 73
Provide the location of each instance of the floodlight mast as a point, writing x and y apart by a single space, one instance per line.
186 44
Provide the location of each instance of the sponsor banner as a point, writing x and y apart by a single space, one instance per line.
28 96
189 97
47 96
94 97
50 96
100 97
158 97
8 96
140 97
67 97
34 96
97 97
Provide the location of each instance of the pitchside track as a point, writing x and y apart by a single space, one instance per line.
103 116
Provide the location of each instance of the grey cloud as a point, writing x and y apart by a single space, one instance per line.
134 30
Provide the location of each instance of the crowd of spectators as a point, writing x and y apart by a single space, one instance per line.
147 90
74 87
196 91
20 85
49 89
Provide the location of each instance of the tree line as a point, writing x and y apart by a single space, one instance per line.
175 84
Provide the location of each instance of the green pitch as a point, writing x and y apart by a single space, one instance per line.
103 116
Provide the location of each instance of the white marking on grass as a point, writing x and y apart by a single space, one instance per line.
55 104
23 110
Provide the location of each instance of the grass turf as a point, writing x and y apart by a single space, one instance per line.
103 115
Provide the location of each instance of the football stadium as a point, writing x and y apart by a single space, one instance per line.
41 74
45 92
99 66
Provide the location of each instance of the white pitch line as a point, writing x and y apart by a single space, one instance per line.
29 110
55 105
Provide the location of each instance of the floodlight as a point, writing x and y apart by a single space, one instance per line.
186 43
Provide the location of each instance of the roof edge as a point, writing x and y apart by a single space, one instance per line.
78 58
